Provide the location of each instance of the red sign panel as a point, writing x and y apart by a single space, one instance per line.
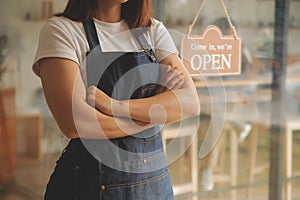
212 54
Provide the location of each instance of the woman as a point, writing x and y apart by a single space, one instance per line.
109 102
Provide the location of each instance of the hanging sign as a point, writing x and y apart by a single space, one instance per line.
212 53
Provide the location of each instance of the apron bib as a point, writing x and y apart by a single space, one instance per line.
128 168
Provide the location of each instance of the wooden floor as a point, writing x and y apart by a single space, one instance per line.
32 176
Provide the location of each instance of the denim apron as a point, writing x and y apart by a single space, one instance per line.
128 168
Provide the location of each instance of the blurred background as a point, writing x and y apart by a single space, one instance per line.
258 153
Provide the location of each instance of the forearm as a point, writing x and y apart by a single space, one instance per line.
66 97
90 123
167 107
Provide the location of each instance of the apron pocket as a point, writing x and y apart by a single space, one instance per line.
151 138
155 188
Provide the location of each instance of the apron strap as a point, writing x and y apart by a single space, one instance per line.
139 34
91 34
93 40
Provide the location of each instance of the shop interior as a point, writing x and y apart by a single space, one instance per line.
254 117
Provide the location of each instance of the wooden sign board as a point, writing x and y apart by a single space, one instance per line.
212 54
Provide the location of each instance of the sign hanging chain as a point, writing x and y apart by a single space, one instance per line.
229 19
191 26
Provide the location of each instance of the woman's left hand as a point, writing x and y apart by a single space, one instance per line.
100 100
170 79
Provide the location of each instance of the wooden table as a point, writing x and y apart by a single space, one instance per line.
257 89
30 135
234 82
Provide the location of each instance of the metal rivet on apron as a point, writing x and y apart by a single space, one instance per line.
76 167
145 161
153 58
102 187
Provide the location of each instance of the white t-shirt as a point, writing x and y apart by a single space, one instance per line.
63 38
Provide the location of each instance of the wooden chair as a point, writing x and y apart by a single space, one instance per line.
174 132
254 98
220 176
253 169
291 126
7 136
30 134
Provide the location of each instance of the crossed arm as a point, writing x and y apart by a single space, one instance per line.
66 97
177 102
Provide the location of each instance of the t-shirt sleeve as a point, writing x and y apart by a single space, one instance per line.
55 40
163 42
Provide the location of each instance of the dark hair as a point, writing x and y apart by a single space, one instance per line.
137 13
223 23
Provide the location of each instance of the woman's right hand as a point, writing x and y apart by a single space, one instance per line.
170 78
98 99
